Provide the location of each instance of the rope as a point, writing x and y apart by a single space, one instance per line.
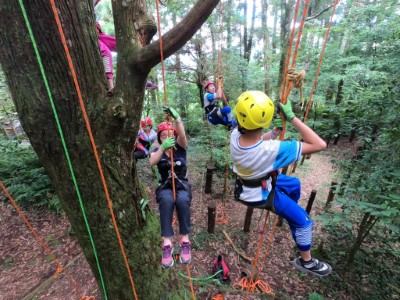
40 240
166 102
271 235
39 60
89 130
245 284
321 56
201 278
250 286
286 85
320 62
171 153
190 281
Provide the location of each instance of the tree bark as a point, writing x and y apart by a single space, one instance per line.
113 122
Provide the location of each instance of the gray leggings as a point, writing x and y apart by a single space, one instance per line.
166 202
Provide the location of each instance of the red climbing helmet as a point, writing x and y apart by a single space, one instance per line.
208 82
165 126
146 121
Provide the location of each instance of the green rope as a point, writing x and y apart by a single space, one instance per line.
63 142
200 278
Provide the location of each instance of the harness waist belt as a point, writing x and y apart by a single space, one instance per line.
252 183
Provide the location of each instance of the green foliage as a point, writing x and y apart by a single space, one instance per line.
24 176
315 296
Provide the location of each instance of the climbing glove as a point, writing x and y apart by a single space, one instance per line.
287 110
172 112
278 121
168 143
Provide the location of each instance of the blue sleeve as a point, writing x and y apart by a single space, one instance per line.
210 97
289 152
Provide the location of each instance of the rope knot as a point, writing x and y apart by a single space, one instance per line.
296 78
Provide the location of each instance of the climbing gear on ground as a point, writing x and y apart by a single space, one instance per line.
314 267
250 272
286 109
168 143
208 82
219 265
254 109
167 260
146 122
186 255
216 295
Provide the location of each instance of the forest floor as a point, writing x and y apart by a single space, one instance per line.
26 272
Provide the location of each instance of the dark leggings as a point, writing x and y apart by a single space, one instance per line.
164 197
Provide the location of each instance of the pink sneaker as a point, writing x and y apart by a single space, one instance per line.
167 260
186 255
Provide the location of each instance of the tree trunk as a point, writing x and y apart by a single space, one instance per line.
113 122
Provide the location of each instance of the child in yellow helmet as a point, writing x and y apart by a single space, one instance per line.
257 157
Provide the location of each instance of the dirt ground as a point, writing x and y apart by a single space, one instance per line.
26 272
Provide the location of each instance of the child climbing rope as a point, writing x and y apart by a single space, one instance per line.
215 114
257 157
145 138
170 137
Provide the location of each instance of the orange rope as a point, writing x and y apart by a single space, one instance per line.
171 153
166 101
305 11
40 240
320 62
190 281
89 130
289 53
254 264
218 296
271 235
245 284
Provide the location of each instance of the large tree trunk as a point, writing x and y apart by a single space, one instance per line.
114 122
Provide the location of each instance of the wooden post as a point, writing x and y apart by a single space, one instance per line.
211 216
331 194
209 175
311 201
302 160
247 220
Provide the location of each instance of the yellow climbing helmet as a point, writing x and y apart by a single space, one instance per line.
254 109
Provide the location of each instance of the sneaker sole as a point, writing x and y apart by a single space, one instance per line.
172 255
182 262
305 270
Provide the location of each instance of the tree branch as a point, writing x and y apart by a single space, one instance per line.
176 38
316 16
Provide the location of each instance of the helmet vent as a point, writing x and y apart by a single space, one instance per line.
251 106
263 114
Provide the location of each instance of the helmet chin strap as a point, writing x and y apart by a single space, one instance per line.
241 129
